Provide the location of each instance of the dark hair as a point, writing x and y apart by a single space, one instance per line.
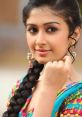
24 90
69 10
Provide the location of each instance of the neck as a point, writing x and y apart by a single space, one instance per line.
75 76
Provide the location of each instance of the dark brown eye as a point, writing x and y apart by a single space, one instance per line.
32 30
51 29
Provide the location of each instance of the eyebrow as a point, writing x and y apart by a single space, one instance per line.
43 24
51 23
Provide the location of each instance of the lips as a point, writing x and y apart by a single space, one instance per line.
42 52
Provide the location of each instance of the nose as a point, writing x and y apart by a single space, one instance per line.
40 38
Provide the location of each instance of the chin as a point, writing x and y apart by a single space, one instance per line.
42 61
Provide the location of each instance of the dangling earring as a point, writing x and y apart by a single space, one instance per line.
74 54
70 50
30 59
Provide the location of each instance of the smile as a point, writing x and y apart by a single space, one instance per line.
42 52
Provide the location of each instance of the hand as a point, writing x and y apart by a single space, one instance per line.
56 73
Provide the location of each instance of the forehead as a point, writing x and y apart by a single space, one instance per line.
44 14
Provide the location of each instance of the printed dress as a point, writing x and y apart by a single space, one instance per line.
68 101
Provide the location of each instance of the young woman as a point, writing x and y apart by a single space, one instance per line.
52 87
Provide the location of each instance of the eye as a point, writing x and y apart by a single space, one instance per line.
51 29
32 30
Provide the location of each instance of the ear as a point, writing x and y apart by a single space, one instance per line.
77 33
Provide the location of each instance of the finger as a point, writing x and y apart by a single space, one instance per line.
55 63
67 61
48 65
61 64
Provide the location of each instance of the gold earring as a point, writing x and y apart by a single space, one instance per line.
30 59
74 54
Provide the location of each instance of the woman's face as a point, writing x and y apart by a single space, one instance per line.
47 35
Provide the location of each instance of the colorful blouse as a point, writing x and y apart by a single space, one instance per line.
68 101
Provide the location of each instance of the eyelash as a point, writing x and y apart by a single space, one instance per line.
34 30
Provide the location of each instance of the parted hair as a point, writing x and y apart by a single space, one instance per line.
70 11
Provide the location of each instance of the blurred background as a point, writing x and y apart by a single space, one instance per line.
13 47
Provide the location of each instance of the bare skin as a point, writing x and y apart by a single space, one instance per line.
49 44
46 88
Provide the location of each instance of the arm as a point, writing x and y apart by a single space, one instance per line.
54 76
44 103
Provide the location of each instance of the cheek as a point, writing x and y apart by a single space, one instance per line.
61 43
30 44
29 41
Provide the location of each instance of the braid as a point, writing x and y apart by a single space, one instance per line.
24 90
